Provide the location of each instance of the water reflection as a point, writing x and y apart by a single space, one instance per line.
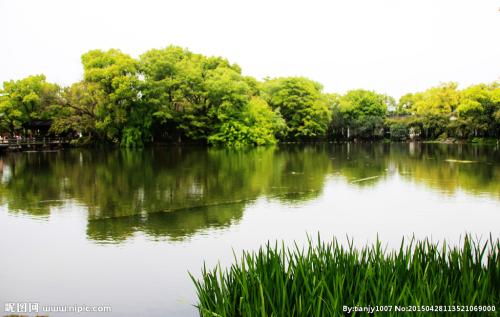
173 225
176 192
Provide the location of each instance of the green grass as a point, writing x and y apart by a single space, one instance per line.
320 279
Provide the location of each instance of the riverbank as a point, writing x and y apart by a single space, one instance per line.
328 279
57 144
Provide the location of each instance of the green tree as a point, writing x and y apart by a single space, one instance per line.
78 111
405 104
204 98
256 124
239 117
440 100
27 100
302 105
363 111
121 115
168 76
476 111
399 131
186 90
445 110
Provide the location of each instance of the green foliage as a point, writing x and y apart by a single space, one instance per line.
190 93
257 124
205 98
362 113
175 95
477 109
26 100
363 103
434 125
405 104
131 137
121 116
173 87
399 131
320 280
302 105
77 110
440 100
464 114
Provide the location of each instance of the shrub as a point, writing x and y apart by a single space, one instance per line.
399 131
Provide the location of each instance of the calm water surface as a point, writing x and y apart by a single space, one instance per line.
123 228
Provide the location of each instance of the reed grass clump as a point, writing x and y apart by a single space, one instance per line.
324 277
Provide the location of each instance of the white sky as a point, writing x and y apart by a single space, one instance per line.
391 46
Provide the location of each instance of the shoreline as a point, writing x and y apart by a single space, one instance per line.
7 148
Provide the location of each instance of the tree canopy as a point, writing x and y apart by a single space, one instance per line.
360 113
302 105
26 100
175 95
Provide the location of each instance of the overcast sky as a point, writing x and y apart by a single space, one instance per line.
391 46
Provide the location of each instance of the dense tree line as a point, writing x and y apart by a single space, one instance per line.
445 111
174 95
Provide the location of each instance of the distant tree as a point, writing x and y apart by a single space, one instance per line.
405 104
440 100
78 111
204 98
170 80
302 105
27 100
256 124
173 94
180 86
363 112
120 114
399 131
239 117
447 111
476 110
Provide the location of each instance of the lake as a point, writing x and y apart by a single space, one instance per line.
124 227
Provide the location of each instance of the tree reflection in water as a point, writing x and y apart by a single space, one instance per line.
178 191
